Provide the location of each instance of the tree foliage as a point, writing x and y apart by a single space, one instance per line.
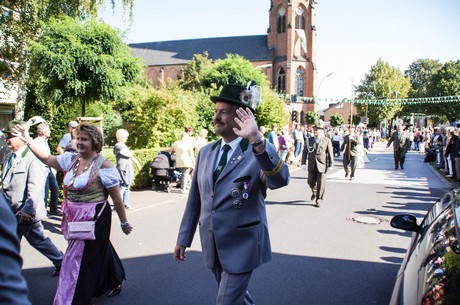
207 77
311 117
420 73
336 120
382 82
160 119
82 62
446 81
21 21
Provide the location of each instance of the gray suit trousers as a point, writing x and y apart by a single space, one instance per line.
33 232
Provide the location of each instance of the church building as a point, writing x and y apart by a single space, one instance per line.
286 54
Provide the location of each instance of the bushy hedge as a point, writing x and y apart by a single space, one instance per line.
142 178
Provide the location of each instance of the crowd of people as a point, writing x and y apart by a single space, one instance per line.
293 144
440 145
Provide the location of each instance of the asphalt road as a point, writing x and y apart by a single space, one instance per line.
344 252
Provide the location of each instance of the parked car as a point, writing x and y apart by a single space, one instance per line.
430 272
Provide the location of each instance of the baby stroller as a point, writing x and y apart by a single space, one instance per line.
164 172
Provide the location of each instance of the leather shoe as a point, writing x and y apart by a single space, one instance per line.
56 271
346 174
313 196
115 291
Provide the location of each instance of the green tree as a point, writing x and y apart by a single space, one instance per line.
383 82
201 75
311 117
336 120
161 118
420 73
195 70
21 22
80 62
446 82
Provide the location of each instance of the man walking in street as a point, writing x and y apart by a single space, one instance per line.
400 142
349 148
319 159
227 196
23 184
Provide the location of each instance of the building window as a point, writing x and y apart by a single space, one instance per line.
300 18
300 82
281 81
281 20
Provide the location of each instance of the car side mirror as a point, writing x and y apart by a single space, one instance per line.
405 222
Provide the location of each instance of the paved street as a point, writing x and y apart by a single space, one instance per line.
342 253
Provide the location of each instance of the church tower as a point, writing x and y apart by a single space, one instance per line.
292 36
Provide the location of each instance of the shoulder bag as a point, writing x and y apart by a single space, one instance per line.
83 230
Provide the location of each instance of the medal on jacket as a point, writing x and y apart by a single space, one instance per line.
235 192
237 204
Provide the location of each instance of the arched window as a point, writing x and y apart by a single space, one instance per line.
281 20
299 82
281 81
300 18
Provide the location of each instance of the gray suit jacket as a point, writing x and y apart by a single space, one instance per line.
23 185
231 214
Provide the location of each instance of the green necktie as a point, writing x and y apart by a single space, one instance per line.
10 162
222 162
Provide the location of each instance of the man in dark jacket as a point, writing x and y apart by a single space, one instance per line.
400 142
319 159
350 153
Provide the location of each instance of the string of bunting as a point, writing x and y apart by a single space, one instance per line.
401 101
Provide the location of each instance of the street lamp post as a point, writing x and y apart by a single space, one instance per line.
319 87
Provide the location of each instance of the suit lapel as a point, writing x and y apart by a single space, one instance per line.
212 160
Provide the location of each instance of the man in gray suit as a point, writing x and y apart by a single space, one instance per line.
400 142
23 184
227 199
320 157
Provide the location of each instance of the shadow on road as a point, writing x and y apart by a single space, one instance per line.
157 280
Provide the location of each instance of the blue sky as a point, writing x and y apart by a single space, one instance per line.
351 35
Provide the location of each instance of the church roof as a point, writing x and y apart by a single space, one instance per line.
177 52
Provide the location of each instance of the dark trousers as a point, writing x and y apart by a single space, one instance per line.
399 157
336 146
52 187
352 162
317 182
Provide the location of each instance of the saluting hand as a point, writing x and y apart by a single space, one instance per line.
247 123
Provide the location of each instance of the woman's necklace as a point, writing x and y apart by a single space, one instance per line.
77 165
